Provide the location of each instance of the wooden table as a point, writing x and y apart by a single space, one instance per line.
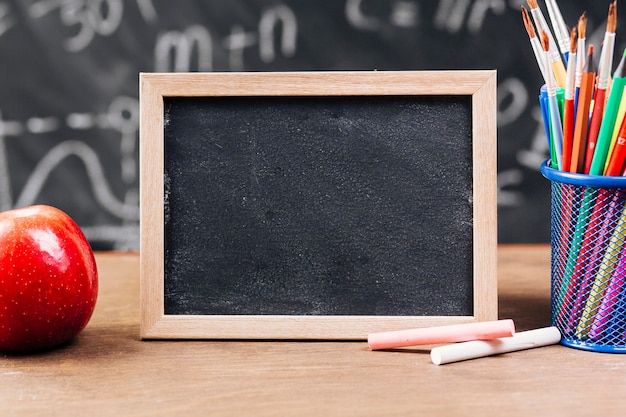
108 371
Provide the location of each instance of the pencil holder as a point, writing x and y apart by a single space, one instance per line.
588 259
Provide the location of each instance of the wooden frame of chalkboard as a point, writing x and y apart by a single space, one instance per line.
273 117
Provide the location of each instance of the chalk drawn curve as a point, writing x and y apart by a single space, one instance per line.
102 192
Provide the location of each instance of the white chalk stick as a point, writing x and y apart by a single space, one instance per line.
480 348
441 334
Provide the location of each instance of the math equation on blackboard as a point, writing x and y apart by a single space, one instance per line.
69 116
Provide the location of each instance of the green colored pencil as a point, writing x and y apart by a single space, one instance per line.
608 121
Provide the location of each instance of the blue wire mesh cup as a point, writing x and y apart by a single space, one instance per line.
588 260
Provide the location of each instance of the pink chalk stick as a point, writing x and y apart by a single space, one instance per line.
485 330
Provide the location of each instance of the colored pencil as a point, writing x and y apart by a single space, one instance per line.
602 277
609 120
555 60
545 115
579 250
604 72
600 218
534 42
565 222
569 110
610 301
581 219
556 126
616 327
569 241
619 82
618 156
621 113
582 114
560 28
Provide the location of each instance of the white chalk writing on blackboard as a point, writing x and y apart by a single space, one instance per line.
267 26
93 169
402 14
173 50
89 17
248 36
512 100
538 151
508 178
5 18
453 15
122 117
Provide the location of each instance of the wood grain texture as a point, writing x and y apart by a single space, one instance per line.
480 85
485 217
109 371
335 83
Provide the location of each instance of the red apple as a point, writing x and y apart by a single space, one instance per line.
48 279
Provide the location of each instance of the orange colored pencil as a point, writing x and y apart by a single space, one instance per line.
585 95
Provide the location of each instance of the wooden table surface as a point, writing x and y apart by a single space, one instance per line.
108 371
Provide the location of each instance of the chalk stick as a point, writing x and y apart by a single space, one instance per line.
480 348
441 334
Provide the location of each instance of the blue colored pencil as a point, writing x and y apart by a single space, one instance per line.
545 114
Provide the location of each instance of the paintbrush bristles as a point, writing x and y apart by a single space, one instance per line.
611 22
573 41
533 4
545 41
582 26
528 24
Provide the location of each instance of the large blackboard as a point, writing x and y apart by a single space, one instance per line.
69 85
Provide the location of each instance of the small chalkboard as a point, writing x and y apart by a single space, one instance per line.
317 205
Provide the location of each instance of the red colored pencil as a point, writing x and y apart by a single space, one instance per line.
594 127
618 156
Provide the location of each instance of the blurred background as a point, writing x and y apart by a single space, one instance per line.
69 109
